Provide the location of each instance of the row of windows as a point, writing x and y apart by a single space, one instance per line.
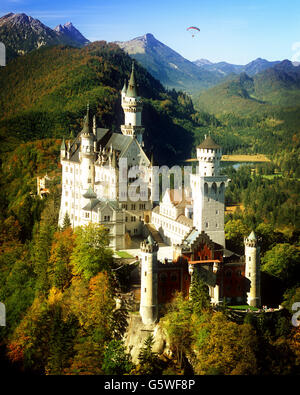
169 226
133 206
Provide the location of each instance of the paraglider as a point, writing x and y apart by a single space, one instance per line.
193 30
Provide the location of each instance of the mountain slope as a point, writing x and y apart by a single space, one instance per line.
21 34
170 68
44 94
256 66
244 95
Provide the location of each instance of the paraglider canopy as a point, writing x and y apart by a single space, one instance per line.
193 30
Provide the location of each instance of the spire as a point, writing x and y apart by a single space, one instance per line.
87 121
63 146
132 88
124 87
252 236
113 161
150 240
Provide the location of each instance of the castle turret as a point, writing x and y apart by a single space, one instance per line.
148 303
208 191
63 149
87 154
252 269
132 106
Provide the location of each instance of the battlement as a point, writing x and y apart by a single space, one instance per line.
149 246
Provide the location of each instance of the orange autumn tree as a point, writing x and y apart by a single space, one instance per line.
223 347
93 304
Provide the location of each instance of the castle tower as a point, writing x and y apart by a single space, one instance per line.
208 192
148 303
252 269
87 153
63 149
132 106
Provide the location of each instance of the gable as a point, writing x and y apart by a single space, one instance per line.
135 154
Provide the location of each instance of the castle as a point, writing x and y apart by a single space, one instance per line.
101 183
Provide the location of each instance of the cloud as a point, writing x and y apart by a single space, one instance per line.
296 50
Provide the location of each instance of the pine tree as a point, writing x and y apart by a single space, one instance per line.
199 294
66 222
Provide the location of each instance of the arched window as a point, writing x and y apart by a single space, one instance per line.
206 188
214 189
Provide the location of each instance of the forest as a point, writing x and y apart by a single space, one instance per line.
48 273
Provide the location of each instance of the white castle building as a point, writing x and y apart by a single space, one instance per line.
93 188
100 170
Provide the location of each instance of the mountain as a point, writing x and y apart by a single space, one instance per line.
44 94
244 95
21 34
225 69
169 67
69 30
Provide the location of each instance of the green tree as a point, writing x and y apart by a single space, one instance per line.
199 294
282 261
177 323
116 360
91 253
66 222
148 360
225 348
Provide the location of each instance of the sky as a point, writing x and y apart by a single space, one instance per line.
235 31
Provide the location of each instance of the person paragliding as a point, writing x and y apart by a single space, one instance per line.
193 30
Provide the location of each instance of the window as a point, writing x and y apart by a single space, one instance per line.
89 180
145 274
132 219
133 207
87 215
106 218
174 277
249 259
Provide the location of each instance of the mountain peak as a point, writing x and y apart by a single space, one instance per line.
22 33
70 30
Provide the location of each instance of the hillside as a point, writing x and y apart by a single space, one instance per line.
168 66
256 66
44 94
271 89
21 34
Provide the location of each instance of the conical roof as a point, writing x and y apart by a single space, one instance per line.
124 87
87 125
90 194
132 88
150 240
63 146
208 143
252 236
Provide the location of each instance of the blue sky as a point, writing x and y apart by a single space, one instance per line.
236 31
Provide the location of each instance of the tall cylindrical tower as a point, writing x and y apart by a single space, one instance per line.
208 191
252 269
132 106
87 154
148 303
